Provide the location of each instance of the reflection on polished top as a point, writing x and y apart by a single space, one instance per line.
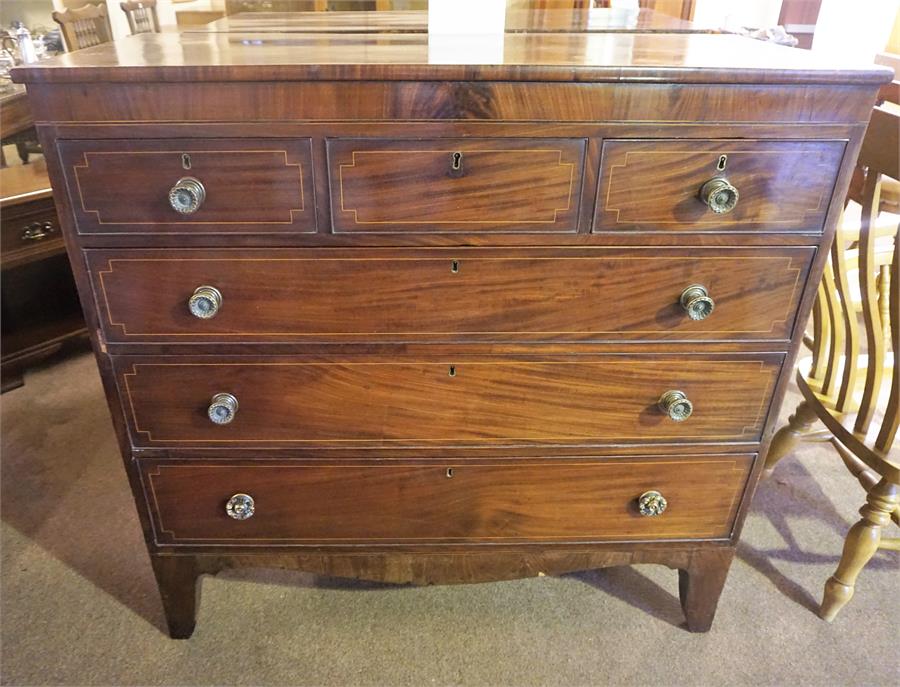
593 19
585 57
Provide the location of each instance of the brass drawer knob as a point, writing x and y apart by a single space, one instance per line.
187 195
205 302
676 405
240 507
696 302
222 408
719 195
652 504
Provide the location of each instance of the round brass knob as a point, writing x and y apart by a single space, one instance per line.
222 408
651 504
205 302
696 302
719 195
187 195
240 507
676 405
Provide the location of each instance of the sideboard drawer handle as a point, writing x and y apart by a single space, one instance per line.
187 195
652 504
37 231
205 302
719 195
676 405
697 302
222 408
240 507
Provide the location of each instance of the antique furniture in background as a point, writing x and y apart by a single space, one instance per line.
84 27
16 124
363 315
141 15
40 309
851 382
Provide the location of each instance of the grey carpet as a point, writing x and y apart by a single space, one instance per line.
79 604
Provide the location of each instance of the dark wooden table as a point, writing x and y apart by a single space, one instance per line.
594 20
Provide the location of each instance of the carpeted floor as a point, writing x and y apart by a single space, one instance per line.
79 604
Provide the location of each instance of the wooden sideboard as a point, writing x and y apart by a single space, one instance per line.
365 315
40 308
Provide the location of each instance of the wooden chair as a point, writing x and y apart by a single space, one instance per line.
84 27
855 393
141 15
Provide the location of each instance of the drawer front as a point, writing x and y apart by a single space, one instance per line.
260 186
30 230
500 501
441 295
656 185
581 401
455 185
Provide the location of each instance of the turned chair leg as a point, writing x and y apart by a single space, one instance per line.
786 439
177 580
701 584
859 547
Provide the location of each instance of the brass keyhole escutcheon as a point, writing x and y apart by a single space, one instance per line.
185 161
456 164
449 473
454 266
723 160
452 371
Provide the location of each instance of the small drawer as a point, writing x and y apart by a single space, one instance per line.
196 186
29 231
455 185
446 401
723 185
221 502
436 295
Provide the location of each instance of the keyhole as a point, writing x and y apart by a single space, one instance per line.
454 266
723 160
456 165
452 371
449 473
185 161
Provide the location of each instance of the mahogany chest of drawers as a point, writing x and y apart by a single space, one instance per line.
366 316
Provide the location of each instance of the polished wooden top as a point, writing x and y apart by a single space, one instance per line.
582 57
597 19
24 183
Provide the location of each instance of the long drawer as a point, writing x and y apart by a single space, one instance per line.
190 186
448 295
210 502
467 401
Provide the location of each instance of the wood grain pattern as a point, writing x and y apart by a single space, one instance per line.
655 185
511 501
252 186
612 57
415 295
454 401
455 185
296 101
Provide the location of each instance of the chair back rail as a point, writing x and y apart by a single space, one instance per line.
141 15
84 27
